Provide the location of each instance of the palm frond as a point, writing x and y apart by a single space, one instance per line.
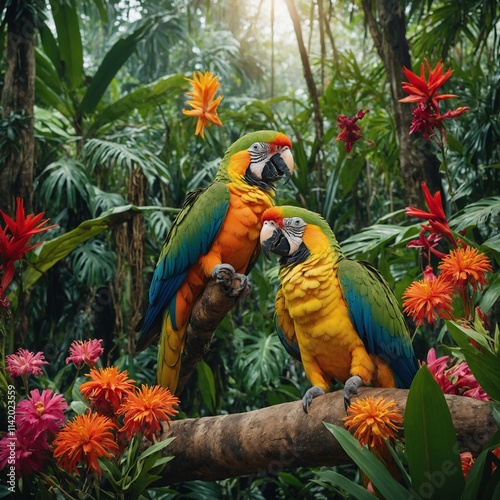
64 183
93 264
125 156
476 213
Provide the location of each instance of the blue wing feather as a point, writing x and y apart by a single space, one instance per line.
192 235
376 316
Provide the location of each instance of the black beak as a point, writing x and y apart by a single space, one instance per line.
276 243
275 169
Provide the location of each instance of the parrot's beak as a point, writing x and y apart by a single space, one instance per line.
279 166
273 240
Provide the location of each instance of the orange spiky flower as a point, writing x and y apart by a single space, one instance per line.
466 265
429 299
145 409
84 440
107 389
374 420
204 87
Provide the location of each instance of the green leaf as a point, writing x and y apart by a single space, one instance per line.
143 98
51 252
366 461
484 364
431 443
206 384
339 481
65 15
114 60
476 213
155 447
79 407
491 294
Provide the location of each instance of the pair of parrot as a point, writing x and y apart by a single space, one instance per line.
337 316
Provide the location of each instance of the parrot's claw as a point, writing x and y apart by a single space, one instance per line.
232 283
310 394
351 387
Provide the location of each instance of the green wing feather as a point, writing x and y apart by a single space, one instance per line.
191 235
377 318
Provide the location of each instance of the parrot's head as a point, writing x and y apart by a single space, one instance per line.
258 159
294 233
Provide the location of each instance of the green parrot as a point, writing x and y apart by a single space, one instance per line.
338 316
215 235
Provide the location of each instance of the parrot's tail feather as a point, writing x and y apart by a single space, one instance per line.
169 354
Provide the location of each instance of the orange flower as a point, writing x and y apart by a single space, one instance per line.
464 265
85 439
107 389
144 410
204 107
467 461
428 299
374 420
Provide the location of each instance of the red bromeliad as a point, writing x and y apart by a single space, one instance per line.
349 129
14 242
427 117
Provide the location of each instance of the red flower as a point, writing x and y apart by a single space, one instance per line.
434 204
14 238
30 454
426 116
425 91
453 377
25 225
349 129
87 352
25 363
41 412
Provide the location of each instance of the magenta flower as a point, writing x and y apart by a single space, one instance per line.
25 363
349 129
40 412
87 352
453 377
30 454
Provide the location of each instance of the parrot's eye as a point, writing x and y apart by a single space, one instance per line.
258 146
297 221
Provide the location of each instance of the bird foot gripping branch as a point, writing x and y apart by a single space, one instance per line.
234 285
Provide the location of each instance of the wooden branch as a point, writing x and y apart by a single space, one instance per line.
208 311
281 437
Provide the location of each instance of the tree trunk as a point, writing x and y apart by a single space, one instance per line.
18 95
280 437
417 161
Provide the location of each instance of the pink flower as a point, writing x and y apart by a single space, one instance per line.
453 377
40 412
24 363
30 454
87 352
349 129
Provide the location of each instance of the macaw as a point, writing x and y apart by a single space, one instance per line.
339 317
216 234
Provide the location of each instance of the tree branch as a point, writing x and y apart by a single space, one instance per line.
208 311
282 437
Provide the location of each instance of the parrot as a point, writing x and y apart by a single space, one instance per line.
338 316
216 234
